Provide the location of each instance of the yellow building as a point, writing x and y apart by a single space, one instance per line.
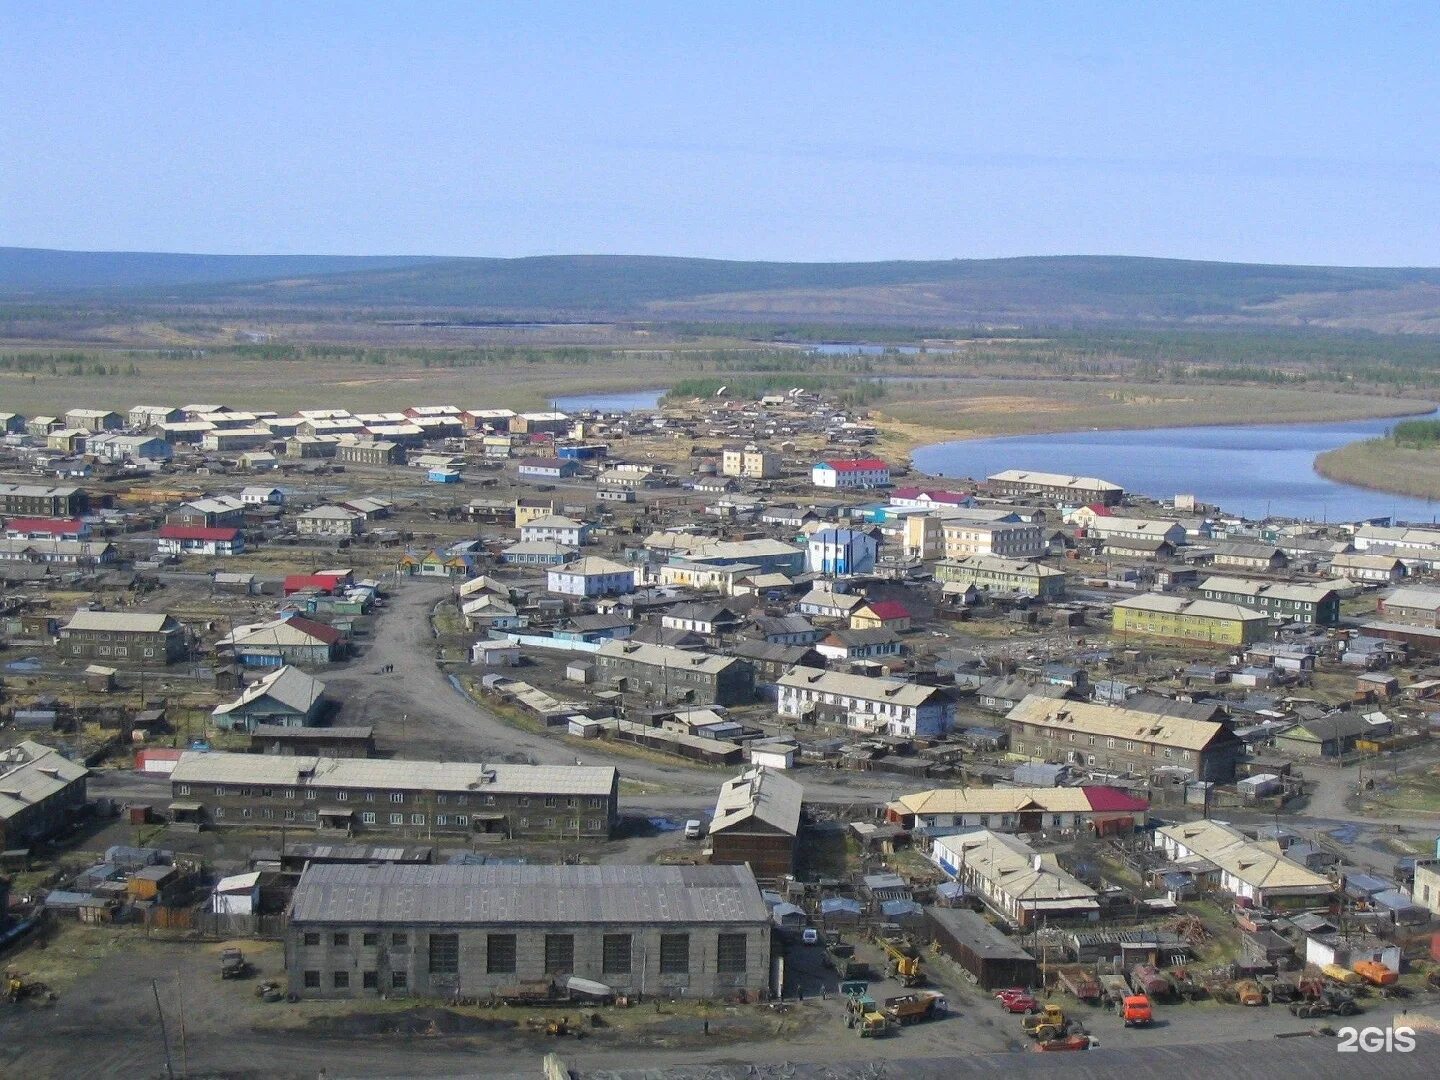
1201 621
749 462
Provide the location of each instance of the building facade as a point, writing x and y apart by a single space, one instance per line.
1057 487
1205 622
850 474
878 705
1012 576
1003 539
1282 601
117 637
483 931
671 674
410 797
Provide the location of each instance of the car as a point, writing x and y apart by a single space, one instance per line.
1019 1003
694 829
810 936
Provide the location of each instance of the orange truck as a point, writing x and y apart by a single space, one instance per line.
1135 1011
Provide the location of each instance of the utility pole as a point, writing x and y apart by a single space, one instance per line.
164 1038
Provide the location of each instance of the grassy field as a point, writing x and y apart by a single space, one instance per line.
1383 465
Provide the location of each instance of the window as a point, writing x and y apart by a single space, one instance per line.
312 980
219 811
219 789
245 792
342 796
289 815
368 817
370 940
462 820
289 793
442 819
399 980
500 954
444 954
417 819
550 800
397 819
615 950
369 796
312 938
400 941
524 823
397 796
341 980
730 953
442 799
596 824
523 800
267 792
559 953
311 794
184 789
245 811
674 954
342 939
370 980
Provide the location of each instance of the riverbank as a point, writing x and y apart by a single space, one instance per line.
991 408
1382 465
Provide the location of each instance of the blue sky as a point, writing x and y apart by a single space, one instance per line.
1305 132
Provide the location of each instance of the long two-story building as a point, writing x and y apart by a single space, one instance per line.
1206 622
877 705
1282 601
1012 576
1113 739
413 797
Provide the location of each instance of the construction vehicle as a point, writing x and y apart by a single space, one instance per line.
1342 975
233 964
912 1008
1375 973
862 1012
18 988
1136 1011
902 958
1080 984
1049 1023
1333 1000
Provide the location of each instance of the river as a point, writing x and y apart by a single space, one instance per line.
613 401
1251 470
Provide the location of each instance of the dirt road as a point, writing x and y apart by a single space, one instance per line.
419 712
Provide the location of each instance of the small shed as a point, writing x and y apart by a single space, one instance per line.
100 679
495 653
237 895
1400 908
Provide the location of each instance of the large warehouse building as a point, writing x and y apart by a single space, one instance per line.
481 931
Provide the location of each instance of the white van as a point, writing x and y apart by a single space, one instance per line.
694 829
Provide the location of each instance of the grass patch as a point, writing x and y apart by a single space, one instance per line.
1385 465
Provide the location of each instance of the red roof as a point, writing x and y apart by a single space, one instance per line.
1113 799
1100 509
328 634
889 609
858 465
326 581
197 532
67 526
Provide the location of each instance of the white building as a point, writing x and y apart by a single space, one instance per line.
1007 539
1024 886
850 473
835 552
882 706
555 529
591 576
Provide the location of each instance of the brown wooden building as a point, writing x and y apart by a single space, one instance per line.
757 820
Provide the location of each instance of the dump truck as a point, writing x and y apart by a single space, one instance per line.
902 958
1049 1023
1375 973
912 1008
1342 975
1136 1011
1079 983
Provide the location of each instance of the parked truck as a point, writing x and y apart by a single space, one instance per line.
913 1008
1113 989
1136 1011
1148 979
1079 983
840 958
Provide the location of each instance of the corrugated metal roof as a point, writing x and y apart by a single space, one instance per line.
394 775
460 894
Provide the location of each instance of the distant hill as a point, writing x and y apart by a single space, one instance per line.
1038 290
43 271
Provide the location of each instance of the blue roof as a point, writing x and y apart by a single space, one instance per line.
833 904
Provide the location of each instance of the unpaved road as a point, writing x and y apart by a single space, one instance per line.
418 712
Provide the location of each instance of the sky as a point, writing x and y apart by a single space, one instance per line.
1293 133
